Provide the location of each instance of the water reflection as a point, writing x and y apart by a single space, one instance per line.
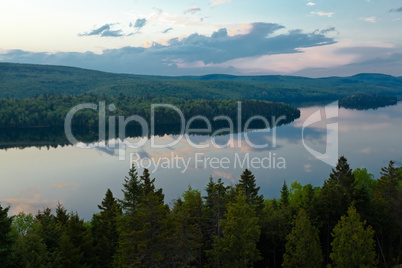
32 178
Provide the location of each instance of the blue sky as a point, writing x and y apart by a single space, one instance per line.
295 37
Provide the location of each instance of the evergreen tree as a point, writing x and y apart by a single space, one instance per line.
49 231
343 175
187 234
142 227
303 245
106 233
30 250
80 236
61 215
6 240
284 194
248 185
275 226
387 186
214 210
67 255
353 245
132 192
332 202
238 245
388 210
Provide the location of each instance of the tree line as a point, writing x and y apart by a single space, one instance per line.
51 110
28 80
367 101
353 220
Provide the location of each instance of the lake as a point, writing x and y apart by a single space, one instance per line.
35 177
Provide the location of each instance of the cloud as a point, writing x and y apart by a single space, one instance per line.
366 150
104 31
369 19
396 10
158 10
225 175
29 201
64 186
327 30
139 23
192 10
191 54
320 13
307 168
311 4
167 30
358 58
218 2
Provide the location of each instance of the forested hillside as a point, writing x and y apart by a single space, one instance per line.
51 110
230 226
25 80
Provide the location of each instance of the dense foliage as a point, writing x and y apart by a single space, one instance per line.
367 101
51 110
25 80
353 220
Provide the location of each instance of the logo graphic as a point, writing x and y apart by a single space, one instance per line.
331 152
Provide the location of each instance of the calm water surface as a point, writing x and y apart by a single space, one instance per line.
33 178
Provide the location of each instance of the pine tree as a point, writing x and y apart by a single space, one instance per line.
353 245
284 194
343 176
106 233
332 202
275 226
141 227
49 231
388 225
132 192
213 212
148 236
248 185
61 215
30 250
303 245
187 234
6 240
80 236
387 186
238 245
67 255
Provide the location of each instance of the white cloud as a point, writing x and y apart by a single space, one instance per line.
219 2
369 19
311 4
192 52
192 10
320 13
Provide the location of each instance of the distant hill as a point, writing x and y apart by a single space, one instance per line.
27 80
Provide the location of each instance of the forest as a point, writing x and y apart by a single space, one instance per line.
367 101
352 220
28 81
51 110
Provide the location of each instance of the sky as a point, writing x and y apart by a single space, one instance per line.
314 38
